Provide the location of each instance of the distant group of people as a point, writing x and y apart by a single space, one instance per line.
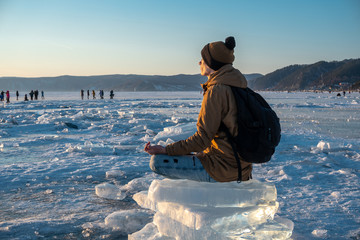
101 94
344 93
34 95
339 94
3 94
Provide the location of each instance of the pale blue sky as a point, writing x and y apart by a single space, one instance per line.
164 37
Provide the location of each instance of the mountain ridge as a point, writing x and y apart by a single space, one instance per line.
116 82
322 75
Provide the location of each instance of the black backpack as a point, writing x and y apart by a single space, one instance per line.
259 128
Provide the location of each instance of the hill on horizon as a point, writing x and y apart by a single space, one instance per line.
322 75
335 75
117 82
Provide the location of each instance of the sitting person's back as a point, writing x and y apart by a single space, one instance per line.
214 159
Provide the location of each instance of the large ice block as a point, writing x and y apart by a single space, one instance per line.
274 229
174 229
198 210
229 194
221 218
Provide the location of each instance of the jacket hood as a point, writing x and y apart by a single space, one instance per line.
227 75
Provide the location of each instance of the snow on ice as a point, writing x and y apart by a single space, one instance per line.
71 169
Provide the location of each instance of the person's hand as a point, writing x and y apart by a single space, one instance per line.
152 150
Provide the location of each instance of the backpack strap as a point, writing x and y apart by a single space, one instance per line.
232 143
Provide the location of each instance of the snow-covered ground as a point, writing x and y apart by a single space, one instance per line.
60 156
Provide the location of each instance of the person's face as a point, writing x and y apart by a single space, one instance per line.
204 69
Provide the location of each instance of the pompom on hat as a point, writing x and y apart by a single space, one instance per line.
218 54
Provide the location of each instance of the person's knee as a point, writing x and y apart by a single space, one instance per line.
153 164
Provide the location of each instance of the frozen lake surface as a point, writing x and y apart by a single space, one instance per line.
54 152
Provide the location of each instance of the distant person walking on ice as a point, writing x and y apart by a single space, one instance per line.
17 95
88 94
214 159
93 93
36 94
82 94
7 96
112 94
32 95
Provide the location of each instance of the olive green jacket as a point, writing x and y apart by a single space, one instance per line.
218 105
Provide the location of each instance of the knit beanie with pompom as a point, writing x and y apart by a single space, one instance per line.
218 54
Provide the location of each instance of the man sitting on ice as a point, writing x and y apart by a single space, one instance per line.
214 159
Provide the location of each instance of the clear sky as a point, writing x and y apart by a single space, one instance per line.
165 37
